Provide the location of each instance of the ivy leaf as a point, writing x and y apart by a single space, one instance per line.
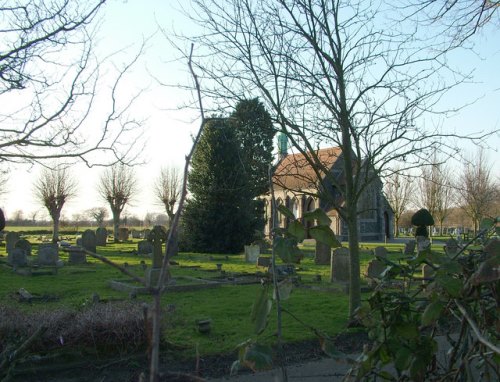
431 313
257 357
286 249
325 235
451 285
488 271
286 212
261 309
296 229
407 330
319 215
403 357
285 288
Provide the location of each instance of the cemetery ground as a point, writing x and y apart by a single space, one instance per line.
93 328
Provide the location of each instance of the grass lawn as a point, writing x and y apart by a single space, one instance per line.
322 307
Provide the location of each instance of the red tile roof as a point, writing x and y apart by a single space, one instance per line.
294 172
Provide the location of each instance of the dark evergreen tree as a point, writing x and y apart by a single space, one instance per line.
221 215
255 133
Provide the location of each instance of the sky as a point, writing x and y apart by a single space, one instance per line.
168 127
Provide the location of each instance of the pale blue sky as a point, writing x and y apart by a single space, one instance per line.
168 130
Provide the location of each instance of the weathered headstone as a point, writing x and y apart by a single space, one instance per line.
76 255
136 234
339 266
79 242
252 253
410 247
375 268
10 240
423 243
101 236
323 254
380 252
263 261
144 247
157 236
123 234
451 247
48 254
17 258
283 269
89 240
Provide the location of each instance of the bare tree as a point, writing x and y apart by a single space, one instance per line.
117 186
167 189
99 214
478 191
53 189
49 85
398 190
335 73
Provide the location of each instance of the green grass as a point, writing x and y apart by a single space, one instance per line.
228 306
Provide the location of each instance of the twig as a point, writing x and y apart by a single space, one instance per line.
475 329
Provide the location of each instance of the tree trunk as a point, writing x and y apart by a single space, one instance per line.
55 234
354 267
396 227
116 226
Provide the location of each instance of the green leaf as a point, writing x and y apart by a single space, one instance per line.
261 309
451 285
296 229
286 249
258 357
325 235
285 288
431 313
407 330
488 271
319 215
486 223
451 267
403 357
286 212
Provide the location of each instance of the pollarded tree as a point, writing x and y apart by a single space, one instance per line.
167 189
338 73
117 186
398 192
477 190
220 216
50 84
255 133
53 189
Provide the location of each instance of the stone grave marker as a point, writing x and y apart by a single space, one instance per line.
76 255
427 272
451 247
89 241
157 236
10 240
263 261
283 269
339 266
25 245
144 247
101 236
48 254
252 253
17 258
323 254
422 243
136 234
375 268
410 247
123 234
380 252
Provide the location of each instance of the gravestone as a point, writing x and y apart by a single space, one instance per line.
380 252
427 272
123 234
101 236
283 269
76 255
252 253
157 236
10 240
24 245
410 247
423 243
339 265
451 247
375 268
323 254
136 234
79 242
48 254
263 261
17 258
144 247
89 241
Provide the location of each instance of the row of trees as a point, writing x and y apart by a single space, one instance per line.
440 190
